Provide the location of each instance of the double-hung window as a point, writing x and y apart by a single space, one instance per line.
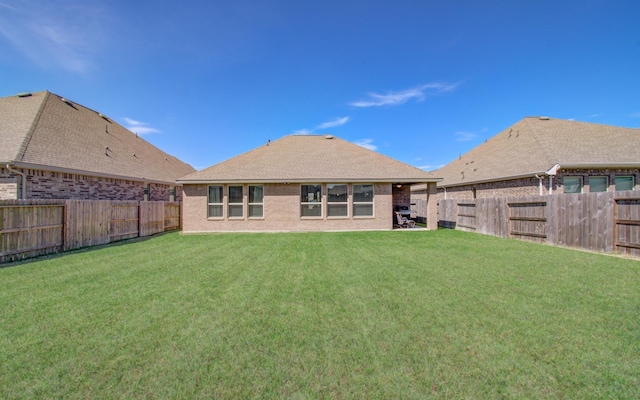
337 200
363 200
572 184
624 183
256 201
214 201
236 205
311 201
598 183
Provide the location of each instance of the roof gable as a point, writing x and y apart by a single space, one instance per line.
535 144
300 158
57 133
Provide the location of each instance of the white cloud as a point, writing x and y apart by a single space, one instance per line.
138 127
303 132
366 143
462 136
329 124
334 123
635 115
396 98
595 115
62 34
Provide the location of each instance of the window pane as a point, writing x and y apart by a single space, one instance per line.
572 184
215 194
337 210
363 210
255 211
598 183
311 194
363 193
336 193
215 211
235 194
624 183
311 210
235 210
255 194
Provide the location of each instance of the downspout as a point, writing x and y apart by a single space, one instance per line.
23 185
552 172
540 178
445 192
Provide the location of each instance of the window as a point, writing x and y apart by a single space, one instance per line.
215 202
572 184
598 183
256 201
311 201
235 201
363 200
624 183
337 200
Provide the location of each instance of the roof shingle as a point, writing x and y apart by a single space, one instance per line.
306 158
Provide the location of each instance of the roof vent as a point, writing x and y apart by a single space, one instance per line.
328 136
103 117
24 94
67 101
543 118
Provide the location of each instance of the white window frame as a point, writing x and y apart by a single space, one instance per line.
564 182
236 204
633 182
221 216
312 203
354 203
606 183
252 204
334 203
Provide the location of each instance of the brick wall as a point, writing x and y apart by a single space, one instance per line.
282 212
530 186
57 185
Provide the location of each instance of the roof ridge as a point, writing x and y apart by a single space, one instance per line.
32 128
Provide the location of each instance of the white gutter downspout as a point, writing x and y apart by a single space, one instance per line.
23 185
445 193
552 172
540 178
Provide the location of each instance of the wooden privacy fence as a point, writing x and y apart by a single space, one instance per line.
29 228
605 222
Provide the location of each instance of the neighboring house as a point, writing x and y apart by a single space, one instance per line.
541 155
52 148
301 183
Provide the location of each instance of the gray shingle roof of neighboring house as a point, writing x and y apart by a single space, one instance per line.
535 145
45 131
310 158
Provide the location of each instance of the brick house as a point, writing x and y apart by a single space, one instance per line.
53 148
301 183
540 156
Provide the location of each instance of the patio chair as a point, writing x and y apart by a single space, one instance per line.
404 222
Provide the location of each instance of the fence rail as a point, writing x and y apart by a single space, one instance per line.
30 228
604 222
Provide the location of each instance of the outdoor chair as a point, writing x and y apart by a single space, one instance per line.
404 222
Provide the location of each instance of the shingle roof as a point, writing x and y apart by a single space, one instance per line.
306 158
45 130
536 144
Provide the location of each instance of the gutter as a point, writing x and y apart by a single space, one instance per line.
305 180
23 184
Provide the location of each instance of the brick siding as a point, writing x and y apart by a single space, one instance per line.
57 185
282 212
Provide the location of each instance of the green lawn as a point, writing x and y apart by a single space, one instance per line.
321 315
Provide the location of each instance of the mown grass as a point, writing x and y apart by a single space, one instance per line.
321 315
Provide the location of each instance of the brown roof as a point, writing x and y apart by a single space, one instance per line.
43 130
310 158
534 145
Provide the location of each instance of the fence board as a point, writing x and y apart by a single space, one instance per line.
171 216
124 220
151 217
584 220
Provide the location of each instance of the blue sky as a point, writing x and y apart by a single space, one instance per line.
419 81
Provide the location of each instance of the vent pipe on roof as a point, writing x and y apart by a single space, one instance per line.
543 118
328 136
